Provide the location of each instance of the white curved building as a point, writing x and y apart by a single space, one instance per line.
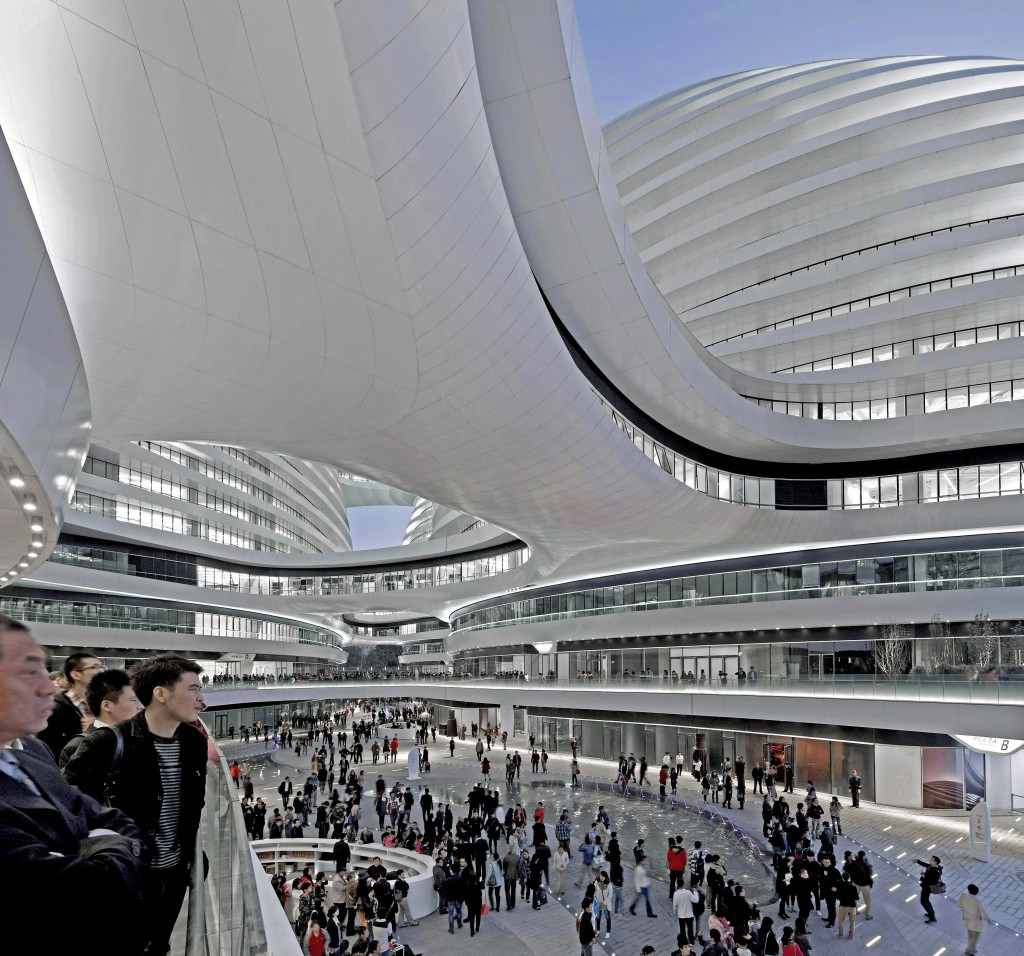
734 380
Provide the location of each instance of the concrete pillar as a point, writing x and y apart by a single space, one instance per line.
998 781
505 718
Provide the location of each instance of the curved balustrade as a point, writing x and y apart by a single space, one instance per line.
931 688
287 855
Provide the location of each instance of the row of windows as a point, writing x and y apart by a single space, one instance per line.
134 512
429 647
942 571
894 295
921 403
187 571
142 618
949 484
909 347
858 252
225 475
140 476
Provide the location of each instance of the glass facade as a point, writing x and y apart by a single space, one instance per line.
856 577
142 617
827 762
925 487
893 295
188 569
919 346
142 476
856 253
919 403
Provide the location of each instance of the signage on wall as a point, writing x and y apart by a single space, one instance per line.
981 832
989 745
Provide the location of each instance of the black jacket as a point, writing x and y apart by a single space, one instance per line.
135 786
44 843
65 722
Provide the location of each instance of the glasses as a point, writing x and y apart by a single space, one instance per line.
95 667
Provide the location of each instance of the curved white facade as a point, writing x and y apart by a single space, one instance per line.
393 240
846 222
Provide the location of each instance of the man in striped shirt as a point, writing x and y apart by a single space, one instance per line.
159 780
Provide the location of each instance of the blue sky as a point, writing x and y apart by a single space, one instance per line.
377 526
638 49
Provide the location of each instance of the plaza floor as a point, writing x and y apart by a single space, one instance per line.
892 838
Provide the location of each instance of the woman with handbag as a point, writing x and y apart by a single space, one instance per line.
603 897
494 882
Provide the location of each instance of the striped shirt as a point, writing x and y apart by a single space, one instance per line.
168 846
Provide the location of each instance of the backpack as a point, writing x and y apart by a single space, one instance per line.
697 865
792 949
698 907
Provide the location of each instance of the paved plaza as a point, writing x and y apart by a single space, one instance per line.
892 838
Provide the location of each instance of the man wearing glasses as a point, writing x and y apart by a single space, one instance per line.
71 715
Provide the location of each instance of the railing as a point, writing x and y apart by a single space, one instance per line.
228 919
924 687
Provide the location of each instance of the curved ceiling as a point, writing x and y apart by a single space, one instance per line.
304 228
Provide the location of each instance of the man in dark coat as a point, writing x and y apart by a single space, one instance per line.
46 826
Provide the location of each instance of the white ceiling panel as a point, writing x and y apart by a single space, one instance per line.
133 140
163 250
197 150
319 214
233 279
80 218
275 54
162 29
262 183
225 52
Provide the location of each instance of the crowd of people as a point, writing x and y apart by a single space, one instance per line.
131 787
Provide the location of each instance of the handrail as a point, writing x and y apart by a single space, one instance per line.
228 919
915 687
195 940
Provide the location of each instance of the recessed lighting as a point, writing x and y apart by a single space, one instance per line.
23 564
15 478
28 502
33 554
37 544
36 526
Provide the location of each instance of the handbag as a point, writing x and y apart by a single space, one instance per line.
938 887
542 896
484 909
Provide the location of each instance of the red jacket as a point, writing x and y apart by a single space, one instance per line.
676 859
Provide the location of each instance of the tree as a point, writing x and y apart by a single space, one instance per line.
984 640
942 645
893 650
373 657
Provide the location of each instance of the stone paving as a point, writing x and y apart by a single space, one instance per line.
892 838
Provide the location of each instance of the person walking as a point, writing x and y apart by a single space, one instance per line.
587 933
510 872
642 886
835 809
848 897
931 875
561 865
604 896
973 914
495 879
860 872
